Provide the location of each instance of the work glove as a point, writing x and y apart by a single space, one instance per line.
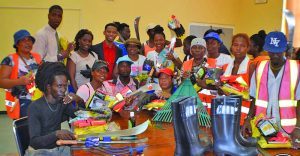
86 73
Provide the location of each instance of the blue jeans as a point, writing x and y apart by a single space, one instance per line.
58 151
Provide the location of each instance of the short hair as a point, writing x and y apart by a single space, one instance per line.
54 7
259 39
242 35
189 38
111 24
79 35
46 73
121 26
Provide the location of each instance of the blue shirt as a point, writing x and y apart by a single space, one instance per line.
121 46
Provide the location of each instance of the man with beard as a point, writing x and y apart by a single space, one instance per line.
47 39
275 87
124 79
107 50
46 114
125 84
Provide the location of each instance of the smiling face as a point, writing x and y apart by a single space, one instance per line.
159 42
99 75
24 45
55 18
239 47
85 42
110 33
58 88
132 49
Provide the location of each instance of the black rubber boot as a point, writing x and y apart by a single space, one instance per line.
181 147
250 141
189 117
224 115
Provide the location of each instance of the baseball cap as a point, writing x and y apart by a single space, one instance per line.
167 71
124 59
198 41
213 35
98 64
275 42
21 34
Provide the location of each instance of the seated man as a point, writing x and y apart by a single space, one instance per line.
124 79
165 77
46 114
125 83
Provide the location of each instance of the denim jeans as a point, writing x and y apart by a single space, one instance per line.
58 151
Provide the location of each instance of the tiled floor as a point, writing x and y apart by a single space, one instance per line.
7 140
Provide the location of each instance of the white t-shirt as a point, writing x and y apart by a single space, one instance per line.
160 59
81 63
46 44
137 66
242 68
223 59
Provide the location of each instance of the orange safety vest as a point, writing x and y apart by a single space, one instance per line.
212 63
12 103
287 90
188 65
245 103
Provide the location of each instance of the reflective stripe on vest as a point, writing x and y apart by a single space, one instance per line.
287 102
288 110
11 103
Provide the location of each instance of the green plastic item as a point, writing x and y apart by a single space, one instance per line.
185 89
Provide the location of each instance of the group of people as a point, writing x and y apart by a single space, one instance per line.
110 66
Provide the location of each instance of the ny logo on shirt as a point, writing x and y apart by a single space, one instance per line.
274 41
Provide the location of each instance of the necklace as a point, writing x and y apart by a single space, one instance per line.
26 65
52 110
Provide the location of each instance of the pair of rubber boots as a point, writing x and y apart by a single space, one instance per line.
227 138
186 128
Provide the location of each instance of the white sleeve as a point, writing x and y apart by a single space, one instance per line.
40 45
253 85
83 92
297 97
74 57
